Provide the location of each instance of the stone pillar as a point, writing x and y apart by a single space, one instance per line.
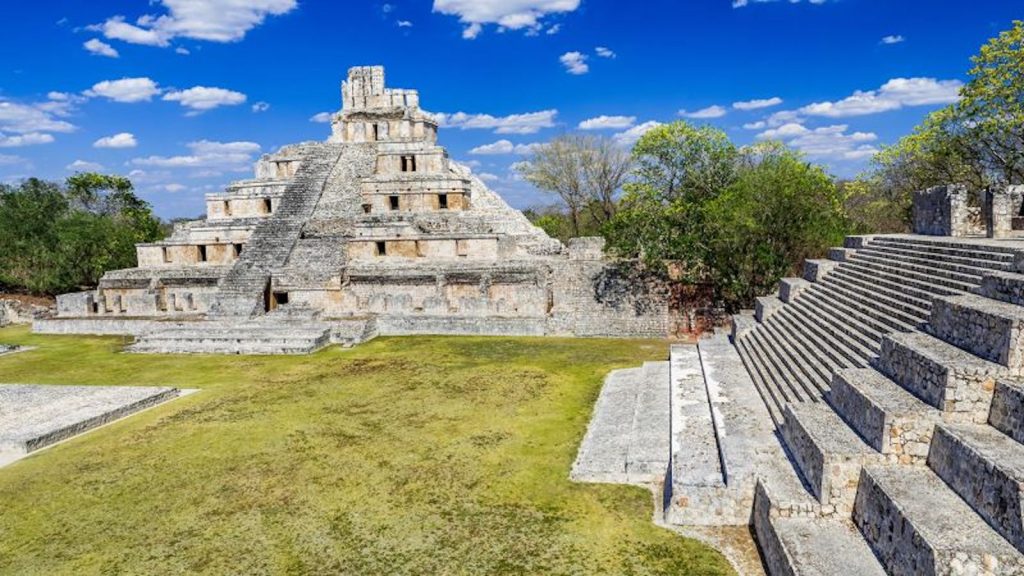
942 211
997 213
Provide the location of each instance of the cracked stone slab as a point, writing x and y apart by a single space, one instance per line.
35 416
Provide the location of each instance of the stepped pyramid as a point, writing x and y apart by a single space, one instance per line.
374 231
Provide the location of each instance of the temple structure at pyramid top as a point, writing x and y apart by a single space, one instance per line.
375 231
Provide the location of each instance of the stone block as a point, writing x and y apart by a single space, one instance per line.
940 374
767 306
986 468
887 417
840 254
856 242
816 270
942 211
742 324
1003 286
828 454
988 328
1007 412
791 288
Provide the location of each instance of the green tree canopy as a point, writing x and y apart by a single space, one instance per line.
60 238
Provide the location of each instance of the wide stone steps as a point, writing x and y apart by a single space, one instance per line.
986 468
872 307
916 524
756 369
226 337
920 272
820 363
803 367
843 322
1000 253
836 343
906 311
894 288
1003 263
783 381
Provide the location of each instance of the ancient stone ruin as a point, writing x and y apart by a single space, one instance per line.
375 231
867 419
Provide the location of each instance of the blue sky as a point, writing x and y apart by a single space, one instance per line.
183 95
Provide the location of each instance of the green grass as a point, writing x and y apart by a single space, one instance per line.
423 455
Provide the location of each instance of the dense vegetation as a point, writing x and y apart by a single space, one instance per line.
732 220
424 455
57 238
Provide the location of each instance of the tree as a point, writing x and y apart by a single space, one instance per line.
991 111
61 238
585 172
735 220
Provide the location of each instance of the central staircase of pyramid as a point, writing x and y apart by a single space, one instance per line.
892 373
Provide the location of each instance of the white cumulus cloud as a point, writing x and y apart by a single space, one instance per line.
828 142
575 63
121 140
757 104
100 48
322 117
607 122
506 14
210 20
528 123
208 156
502 147
202 98
705 113
629 137
126 90
893 39
604 52
893 95
260 107
84 166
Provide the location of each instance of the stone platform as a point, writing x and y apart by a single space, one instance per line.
36 416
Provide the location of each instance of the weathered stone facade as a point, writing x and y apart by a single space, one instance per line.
377 221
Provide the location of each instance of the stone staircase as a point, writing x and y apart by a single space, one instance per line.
892 374
241 291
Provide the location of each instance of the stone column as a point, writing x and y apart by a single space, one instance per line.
942 211
997 212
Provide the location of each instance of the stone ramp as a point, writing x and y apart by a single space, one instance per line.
35 416
627 441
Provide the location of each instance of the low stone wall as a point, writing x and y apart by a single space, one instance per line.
402 325
16 312
942 211
1007 412
96 326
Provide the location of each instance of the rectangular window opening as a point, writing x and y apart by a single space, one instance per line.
367 208
202 253
238 250
382 249
408 163
227 208
376 132
280 298
393 202
442 201
268 206
167 255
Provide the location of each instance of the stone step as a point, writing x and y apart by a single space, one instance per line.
650 439
806 378
818 363
1003 286
940 374
823 320
827 453
808 546
880 300
911 276
917 525
806 319
888 418
1007 413
893 287
987 328
986 468
752 362
964 264
923 243
844 319
962 255
871 307
923 271
780 373
604 452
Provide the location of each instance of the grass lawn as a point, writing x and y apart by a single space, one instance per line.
425 455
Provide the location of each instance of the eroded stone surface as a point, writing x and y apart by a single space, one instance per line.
35 416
